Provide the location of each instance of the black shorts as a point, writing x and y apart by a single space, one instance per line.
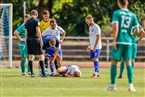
33 46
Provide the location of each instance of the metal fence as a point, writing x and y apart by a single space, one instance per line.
74 48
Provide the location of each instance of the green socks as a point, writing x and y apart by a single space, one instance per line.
132 65
122 68
23 63
130 74
113 73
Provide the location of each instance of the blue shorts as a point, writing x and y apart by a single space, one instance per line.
95 54
67 67
50 54
60 52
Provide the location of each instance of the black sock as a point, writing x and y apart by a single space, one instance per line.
30 64
41 63
46 62
55 63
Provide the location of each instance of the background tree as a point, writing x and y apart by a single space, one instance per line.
70 14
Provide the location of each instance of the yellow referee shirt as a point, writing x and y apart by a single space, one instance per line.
44 25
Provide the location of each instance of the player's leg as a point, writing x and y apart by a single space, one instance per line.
46 59
62 69
134 53
41 63
30 64
37 50
51 65
128 57
95 56
24 56
121 69
115 57
57 63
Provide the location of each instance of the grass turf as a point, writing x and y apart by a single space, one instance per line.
15 85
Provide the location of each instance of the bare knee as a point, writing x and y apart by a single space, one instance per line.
31 57
114 62
95 59
128 63
41 57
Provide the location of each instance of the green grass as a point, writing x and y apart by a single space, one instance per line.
15 85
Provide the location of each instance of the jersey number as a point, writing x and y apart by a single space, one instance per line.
125 21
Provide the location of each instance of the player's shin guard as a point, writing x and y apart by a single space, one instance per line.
51 67
113 73
132 65
46 62
96 66
122 68
23 63
30 65
41 63
130 74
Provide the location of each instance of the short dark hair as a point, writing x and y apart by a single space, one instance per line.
52 21
122 2
89 17
27 16
34 12
45 12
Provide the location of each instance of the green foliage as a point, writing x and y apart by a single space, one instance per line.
138 8
70 14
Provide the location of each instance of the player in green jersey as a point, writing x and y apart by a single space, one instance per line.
21 35
135 41
123 20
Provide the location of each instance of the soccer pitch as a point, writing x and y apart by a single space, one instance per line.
15 85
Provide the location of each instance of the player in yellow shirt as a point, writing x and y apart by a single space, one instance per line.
45 23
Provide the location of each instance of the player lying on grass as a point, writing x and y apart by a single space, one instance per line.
135 41
68 71
51 44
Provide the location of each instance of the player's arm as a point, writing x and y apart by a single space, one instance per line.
141 36
55 54
62 37
136 25
18 36
115 24
88 48
96 42
67 74
39 35
115 34
56 51
63 34
136 31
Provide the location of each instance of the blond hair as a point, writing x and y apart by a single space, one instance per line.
52 41
77 74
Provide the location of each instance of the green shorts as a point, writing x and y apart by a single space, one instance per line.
23 50
123 52
134 50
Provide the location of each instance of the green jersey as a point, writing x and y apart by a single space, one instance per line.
21 31
134 39
126 20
